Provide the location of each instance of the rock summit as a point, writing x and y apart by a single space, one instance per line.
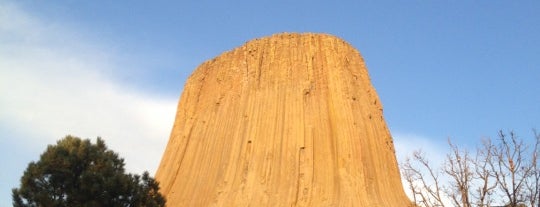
285 120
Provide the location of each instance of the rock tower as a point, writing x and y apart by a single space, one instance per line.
285 120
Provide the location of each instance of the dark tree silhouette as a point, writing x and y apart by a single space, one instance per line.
75 172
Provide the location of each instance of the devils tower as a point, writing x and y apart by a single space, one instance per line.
285 120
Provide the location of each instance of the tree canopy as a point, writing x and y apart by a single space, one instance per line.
75 172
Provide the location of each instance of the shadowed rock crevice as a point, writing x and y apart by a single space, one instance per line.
285 120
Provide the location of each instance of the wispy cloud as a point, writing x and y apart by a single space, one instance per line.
435 151
407 143
54 82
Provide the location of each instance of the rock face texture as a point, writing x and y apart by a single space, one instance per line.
286 120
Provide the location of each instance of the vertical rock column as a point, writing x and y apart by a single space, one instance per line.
285 120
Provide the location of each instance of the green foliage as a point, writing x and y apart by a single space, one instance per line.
75 172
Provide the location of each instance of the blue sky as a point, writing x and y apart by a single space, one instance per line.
458 69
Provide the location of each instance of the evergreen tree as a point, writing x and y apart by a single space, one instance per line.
75 172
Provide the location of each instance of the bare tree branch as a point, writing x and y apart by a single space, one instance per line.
458 167
510 167
533 182
506 172
484 175
423 181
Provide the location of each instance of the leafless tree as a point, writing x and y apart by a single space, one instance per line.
505 172
532 183
485 184
423 181
510 167
458 167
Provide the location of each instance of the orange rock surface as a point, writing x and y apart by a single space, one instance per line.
285 120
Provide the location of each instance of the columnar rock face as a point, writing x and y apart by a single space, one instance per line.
286 120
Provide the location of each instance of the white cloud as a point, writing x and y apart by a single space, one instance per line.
53 83
434 151
407 143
